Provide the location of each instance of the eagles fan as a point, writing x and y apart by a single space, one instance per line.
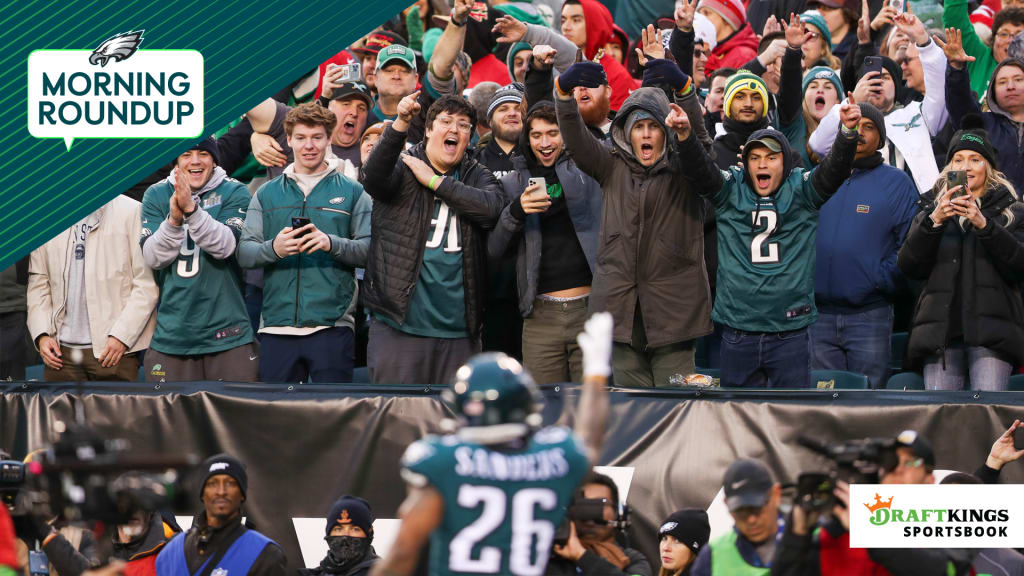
191 222
490 496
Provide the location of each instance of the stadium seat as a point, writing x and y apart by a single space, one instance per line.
838 379
1016 383
905 381
899 351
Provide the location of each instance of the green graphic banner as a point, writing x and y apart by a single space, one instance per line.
249 51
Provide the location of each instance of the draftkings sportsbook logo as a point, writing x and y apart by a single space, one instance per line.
115 90
933 516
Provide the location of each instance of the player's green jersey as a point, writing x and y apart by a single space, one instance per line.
501 509
766 253
202 308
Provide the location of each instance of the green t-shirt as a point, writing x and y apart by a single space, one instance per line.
202 309
438 305
501 508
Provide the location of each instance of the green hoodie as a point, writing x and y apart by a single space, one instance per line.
955 15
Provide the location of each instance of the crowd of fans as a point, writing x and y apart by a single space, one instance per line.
752 191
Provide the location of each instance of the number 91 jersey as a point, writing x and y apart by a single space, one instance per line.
501 508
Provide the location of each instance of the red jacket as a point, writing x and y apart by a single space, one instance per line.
8 557
838 559
734 52
600 31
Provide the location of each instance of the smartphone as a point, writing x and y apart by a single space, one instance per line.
956 178
897 5
299 222
352 72
538 181
872 64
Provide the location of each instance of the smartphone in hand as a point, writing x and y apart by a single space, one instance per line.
299 222
956 178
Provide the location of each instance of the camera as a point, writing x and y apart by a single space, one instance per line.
590 510
12 476
860 461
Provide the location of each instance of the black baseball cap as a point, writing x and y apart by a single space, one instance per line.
748 484
920 446
356 89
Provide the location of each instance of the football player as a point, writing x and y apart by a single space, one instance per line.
490 496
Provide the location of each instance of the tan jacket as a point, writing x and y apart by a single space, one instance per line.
120 291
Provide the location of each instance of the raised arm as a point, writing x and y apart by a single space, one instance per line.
680 44
592 414
448 46
959 99
791 97
835 168
540 82
381 179
590 155
692 159
933 62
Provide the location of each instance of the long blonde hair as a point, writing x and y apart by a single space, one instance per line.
993 179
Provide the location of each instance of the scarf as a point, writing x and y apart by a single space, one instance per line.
608 550
869 162
737 133
345 552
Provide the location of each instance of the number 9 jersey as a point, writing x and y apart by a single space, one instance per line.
501 507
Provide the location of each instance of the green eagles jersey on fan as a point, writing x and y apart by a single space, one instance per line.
501 508
766 266
202 308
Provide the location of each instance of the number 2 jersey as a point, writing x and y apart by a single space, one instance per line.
202 308
501 508
766 253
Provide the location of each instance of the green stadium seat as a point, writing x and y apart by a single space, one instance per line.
838 379
899 351
1016 383
905 381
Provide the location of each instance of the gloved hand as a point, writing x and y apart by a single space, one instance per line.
586 74
663 71
596 343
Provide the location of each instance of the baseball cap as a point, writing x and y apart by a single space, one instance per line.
769 143
356 89
921 447
747 484
396 52
379 40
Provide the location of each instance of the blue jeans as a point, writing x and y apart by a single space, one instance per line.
974 364
765 359
858 342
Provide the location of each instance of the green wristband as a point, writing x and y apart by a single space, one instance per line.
433 181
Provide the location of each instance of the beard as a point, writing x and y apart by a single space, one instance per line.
596 113
505 133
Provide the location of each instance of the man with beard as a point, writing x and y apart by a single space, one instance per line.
591 548
350 102
505 117
349 540
217 540
746 111
594 103
860 231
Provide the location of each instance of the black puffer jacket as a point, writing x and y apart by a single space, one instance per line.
402 211
984 267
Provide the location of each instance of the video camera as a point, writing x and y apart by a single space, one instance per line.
858 461
591 510
83 477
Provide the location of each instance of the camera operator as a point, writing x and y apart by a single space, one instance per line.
753 499
591 548
805 551
217 538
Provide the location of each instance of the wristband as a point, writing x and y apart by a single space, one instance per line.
853 130
433 180
195 206
451 16
46 540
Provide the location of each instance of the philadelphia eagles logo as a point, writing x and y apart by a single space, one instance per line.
119 47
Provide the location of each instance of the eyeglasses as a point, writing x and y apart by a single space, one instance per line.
1004 36
446 124
813 35
700 53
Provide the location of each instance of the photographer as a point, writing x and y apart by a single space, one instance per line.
591 548
805 550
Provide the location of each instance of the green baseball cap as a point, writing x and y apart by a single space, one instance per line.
402 54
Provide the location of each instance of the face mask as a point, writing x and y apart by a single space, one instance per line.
347 549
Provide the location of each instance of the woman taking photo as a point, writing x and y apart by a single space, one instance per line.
966 246
681 537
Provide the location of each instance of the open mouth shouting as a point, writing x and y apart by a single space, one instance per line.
646 151
451 145
819 103
762 180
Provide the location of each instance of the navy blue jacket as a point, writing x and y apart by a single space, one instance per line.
1007 136
860 231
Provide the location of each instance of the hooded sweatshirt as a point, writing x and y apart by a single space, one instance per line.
766 245
1007 136
650 246
599 33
